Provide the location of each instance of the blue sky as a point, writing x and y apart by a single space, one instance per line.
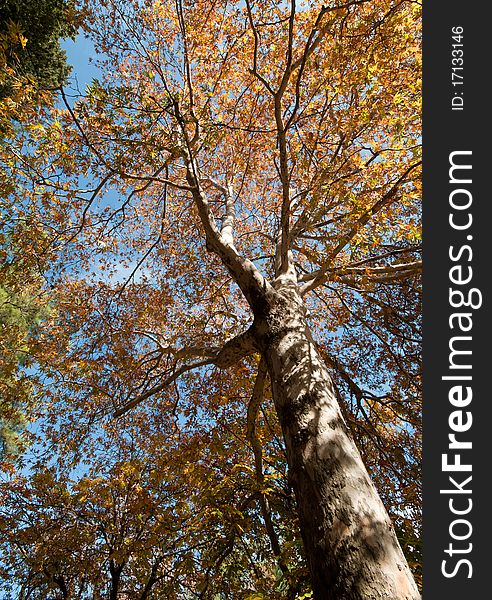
79 54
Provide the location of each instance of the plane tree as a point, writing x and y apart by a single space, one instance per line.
235 207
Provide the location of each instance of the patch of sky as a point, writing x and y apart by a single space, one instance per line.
81 56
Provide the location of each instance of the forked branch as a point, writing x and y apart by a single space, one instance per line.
231 353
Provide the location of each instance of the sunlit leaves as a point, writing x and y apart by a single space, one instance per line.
139 294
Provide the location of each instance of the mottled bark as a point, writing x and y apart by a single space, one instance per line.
349 540
350 544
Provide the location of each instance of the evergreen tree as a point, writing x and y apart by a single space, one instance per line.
20 312
30 33
32 66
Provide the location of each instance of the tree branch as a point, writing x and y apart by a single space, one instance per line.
232 352
256 37
253 285
123 174
319 276
253 408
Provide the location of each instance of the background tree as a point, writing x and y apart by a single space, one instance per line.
24 257
30 52
32 66
150 518
20 312
242 182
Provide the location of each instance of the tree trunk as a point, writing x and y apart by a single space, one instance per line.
115 571
350 544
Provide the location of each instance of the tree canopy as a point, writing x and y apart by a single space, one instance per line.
30 33
32 66
230 153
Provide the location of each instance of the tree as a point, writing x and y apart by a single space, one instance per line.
30 52
149 517
20 312
256 167
33 66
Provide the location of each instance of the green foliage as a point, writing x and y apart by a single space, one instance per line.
31 64
20 312
30 33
